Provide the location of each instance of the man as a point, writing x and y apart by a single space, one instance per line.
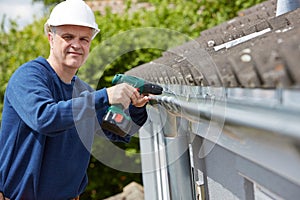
42 155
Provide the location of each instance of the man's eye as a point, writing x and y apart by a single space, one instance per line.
85 39
67 37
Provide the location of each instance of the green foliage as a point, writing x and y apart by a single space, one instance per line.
48 2
111 55
105 181
18 47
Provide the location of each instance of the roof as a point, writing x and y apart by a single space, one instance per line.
253 50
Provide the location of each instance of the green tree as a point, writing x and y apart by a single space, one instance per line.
18 47
48 2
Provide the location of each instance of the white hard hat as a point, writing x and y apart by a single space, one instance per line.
72 12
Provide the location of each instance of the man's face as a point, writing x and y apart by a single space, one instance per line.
70 45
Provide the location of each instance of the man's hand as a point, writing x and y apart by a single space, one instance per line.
125 94
139 100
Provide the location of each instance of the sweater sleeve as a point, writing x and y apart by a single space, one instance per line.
138 114
29 93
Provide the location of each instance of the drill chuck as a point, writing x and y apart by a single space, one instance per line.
150 88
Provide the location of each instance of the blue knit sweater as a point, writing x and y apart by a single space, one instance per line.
47 132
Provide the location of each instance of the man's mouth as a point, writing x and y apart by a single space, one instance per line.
75 53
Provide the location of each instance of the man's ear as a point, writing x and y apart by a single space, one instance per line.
50 39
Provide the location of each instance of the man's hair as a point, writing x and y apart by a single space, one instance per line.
52 29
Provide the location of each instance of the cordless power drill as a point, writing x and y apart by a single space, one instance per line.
116 120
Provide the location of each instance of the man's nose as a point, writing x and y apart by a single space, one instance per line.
76 44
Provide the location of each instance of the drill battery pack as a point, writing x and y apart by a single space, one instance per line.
117 121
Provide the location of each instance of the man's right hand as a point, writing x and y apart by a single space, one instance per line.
122 94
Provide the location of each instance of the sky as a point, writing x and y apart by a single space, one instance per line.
23 11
